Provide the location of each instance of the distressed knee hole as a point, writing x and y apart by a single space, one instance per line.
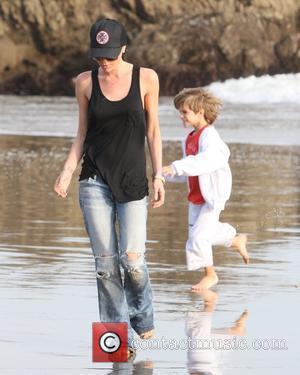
131 256
132 261
105 266
102 275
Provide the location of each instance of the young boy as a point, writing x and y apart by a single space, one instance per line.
209 179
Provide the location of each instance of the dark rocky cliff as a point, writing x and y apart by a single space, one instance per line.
44 43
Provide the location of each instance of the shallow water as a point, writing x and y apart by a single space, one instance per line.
48 289
255 123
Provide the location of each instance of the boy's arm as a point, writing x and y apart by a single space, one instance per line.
169 172
215 155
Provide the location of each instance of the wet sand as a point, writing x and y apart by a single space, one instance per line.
47 283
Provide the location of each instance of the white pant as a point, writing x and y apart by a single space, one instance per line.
205 230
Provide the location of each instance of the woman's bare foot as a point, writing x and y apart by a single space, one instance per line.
130 353
205 283
147 335
239 243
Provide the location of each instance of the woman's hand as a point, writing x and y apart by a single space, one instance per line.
62 182
158 193
168 170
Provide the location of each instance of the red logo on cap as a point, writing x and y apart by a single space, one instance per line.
102 37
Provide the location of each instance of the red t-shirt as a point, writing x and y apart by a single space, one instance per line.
192 148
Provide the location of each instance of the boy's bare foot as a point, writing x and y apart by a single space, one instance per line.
147 335
205 283
239 242
210 297
240 325
242 319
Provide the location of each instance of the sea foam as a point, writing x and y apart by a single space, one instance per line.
280 88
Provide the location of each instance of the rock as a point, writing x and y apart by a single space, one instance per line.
44 43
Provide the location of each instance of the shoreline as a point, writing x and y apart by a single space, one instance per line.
257 124
165 141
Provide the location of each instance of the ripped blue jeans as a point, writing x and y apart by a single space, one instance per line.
121 299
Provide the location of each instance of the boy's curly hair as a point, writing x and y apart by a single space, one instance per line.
197 98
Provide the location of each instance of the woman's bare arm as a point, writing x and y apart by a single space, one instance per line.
150 78
82 89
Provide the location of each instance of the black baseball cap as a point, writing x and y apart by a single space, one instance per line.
107 38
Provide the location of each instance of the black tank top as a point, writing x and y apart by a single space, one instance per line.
114 147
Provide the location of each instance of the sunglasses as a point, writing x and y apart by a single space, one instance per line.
98 59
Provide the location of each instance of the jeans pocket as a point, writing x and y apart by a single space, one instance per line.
85 180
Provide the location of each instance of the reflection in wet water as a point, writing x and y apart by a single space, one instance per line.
133 368
47 271
208 349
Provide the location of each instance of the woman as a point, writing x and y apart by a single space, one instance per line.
118 108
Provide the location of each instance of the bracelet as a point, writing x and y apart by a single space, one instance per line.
159 177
